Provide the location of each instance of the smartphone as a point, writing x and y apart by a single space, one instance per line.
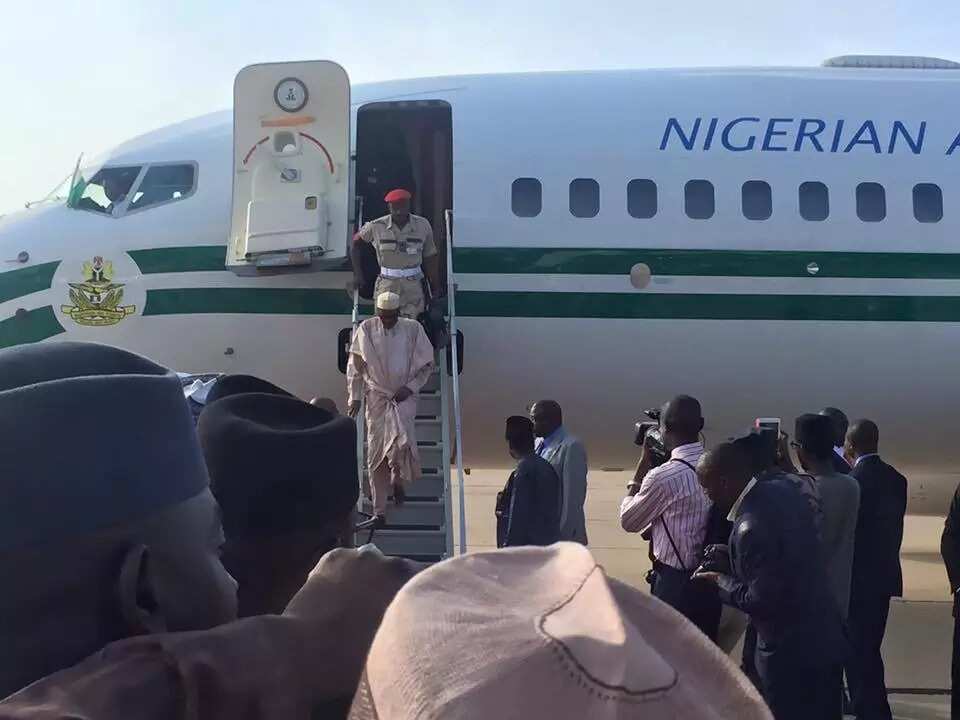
768 423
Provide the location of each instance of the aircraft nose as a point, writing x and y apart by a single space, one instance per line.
27 235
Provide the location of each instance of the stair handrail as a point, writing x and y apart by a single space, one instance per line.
451 305
361 416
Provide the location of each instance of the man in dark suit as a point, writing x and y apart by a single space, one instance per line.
876 573
528 508
840 425
950 550
773 571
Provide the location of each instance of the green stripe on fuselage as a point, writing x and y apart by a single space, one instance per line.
266 301
23 281
680 306
711 263
710 306
194 258
29 326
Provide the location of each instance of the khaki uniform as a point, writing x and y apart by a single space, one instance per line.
401 249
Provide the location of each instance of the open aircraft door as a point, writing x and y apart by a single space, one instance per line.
291 166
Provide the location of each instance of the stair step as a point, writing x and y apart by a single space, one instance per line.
429 404
433 383
431 457
421 514
428 487
410 542
429 430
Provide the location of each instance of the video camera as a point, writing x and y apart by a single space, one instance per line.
647 432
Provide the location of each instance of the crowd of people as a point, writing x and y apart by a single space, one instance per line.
163 567
810 555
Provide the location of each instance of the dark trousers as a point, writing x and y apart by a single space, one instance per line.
866 625
696 601
797 690
748 660
955 669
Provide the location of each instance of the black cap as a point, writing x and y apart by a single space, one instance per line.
92 437
277 463
227 385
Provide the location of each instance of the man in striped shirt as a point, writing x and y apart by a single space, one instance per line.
670 502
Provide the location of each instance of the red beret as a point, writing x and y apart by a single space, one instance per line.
396 195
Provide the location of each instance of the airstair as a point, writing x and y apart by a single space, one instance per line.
422 527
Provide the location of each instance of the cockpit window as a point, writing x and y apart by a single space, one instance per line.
105 191
163 184
121 190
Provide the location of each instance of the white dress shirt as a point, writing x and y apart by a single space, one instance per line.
672 493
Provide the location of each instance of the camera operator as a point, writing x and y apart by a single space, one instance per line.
666 497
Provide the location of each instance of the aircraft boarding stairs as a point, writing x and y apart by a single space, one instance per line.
422 528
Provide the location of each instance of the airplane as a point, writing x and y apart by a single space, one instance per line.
768 240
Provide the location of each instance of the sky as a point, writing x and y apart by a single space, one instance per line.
82 76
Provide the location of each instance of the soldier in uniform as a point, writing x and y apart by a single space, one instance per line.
406 252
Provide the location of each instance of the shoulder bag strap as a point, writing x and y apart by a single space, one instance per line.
664 522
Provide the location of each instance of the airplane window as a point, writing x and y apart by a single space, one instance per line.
164 183
698 199
927 203
642 199
105 191
871 202
526 197
814 201
584 197
756 200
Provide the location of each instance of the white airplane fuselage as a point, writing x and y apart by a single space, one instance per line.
754 317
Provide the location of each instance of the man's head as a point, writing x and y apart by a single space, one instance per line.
681 421
760 445
117 184
106 517
388 308
227 385
399 203
863 438
813 440
546 416
285 474
325 403
723 473
519 436
839 423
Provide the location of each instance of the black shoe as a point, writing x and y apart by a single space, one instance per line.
399 494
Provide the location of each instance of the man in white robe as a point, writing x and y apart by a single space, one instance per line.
391 358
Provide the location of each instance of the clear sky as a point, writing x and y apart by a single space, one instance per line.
83 75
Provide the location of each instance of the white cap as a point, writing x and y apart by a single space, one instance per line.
542 633
388 301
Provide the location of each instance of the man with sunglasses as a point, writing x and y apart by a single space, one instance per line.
668 499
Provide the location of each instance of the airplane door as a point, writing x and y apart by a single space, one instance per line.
291 160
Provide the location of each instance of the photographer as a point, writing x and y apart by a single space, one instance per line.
666 497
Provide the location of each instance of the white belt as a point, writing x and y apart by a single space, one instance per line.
404 273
